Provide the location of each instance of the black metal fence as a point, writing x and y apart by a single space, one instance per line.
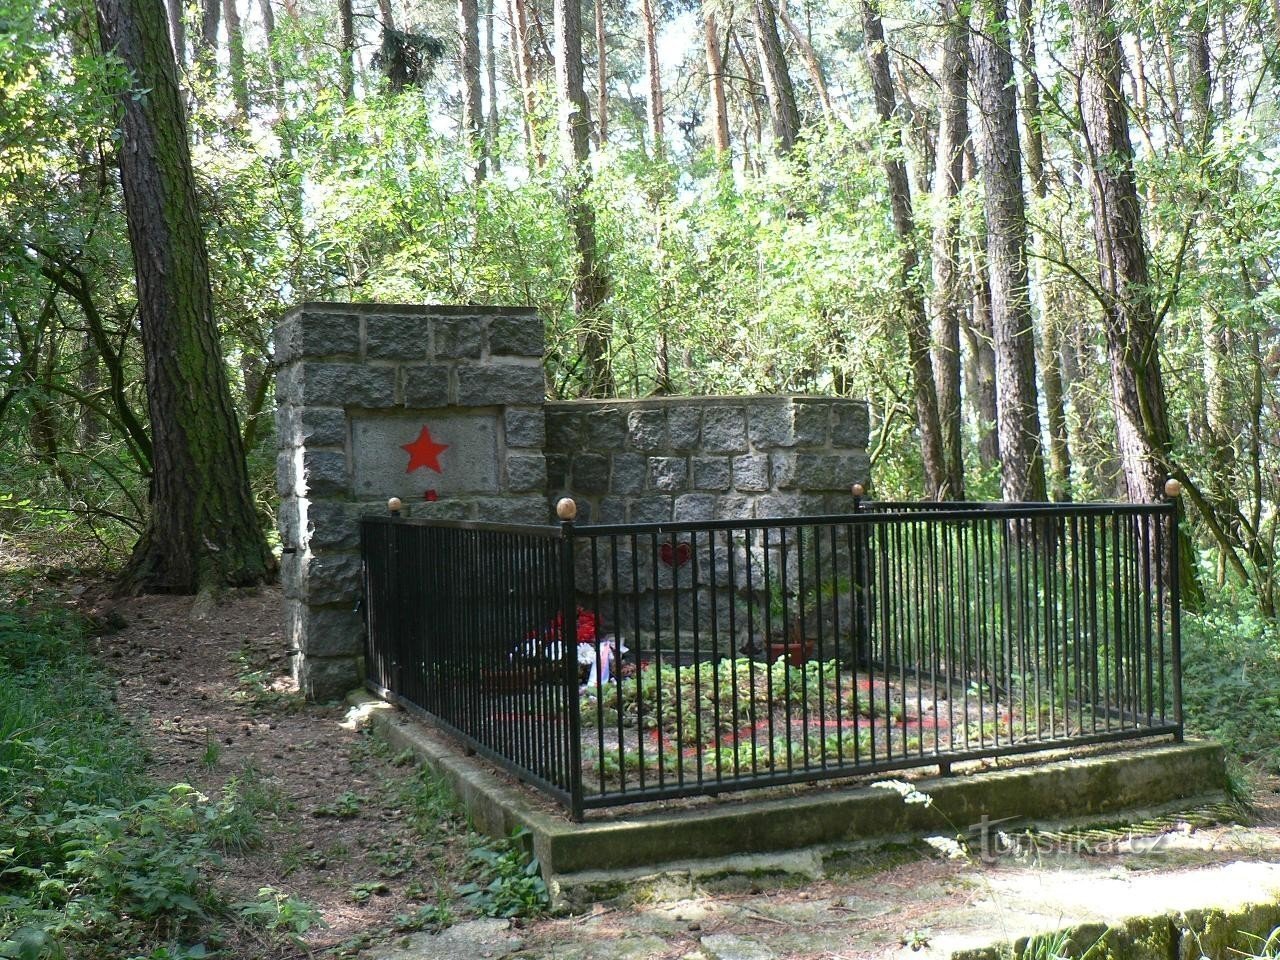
612 664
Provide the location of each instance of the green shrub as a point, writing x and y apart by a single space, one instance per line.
1231 679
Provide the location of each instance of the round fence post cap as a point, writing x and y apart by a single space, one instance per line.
394 504
1172 488
858 490
566 509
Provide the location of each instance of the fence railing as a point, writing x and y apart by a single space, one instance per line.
703 657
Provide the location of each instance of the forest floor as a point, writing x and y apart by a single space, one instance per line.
363 837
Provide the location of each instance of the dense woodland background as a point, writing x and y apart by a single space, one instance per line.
1039 239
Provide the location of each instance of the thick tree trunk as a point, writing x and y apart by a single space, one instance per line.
719 119
908 283
386 15
602 75
811 61
201 530
1137 387
1128 315
777 80
953 133
589 284
1021 463
469 60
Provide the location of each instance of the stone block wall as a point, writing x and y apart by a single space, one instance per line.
444 408
706 458
673 459
439 406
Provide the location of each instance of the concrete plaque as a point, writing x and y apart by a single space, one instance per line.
424 456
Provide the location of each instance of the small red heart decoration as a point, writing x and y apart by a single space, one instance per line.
674 556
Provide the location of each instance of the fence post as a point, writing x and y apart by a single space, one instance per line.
392 620
567 511
1173 493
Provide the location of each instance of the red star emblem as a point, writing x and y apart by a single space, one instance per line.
424 452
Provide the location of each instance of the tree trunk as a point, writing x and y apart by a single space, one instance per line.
1049 340
178 32
1214 336
1137 387
469 59
602 75
811 61
235 58
522 63
589 284
491 127
752 122
1128 315
715 85
201 530
953 133
1018 424
347 50
777 80
657 132
386 14
206 58
908 284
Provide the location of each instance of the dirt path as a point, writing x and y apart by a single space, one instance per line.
213 694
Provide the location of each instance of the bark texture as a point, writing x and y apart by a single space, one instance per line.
908 281
602 75
948 312
589 284
1137 388
235 58
347 49
472 102
178 32
777 79
1049 338
657 131
1018 424
719 119
201 529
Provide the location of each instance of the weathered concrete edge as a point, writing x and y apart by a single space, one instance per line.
1084 787
1217 932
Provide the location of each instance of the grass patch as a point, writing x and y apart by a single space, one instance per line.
1231 680
96 860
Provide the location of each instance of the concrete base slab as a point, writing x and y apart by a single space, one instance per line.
800 836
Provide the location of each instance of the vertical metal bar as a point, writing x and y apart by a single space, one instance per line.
569 675
1146 631
716 666
678 700
785 637
752 640
694 569
1175 615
